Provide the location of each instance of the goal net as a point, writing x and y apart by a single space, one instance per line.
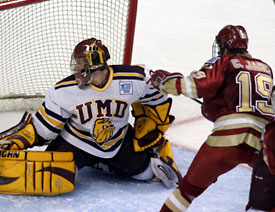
38 37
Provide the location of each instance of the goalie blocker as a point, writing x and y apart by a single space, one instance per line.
151 122
36 173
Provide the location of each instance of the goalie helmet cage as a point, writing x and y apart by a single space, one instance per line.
38 37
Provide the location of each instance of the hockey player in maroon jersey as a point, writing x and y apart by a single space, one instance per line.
87 114
236 89
262 189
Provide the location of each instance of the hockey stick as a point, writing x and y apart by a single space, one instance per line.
196 100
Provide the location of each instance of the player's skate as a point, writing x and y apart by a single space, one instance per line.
163 165
165 172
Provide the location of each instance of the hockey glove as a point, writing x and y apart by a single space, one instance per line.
21 136
151 122
166 81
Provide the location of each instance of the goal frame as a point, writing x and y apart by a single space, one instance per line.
32 102
129 41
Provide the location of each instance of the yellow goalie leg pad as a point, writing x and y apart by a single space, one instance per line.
36 172
166 155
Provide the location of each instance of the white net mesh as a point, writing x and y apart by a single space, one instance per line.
37 41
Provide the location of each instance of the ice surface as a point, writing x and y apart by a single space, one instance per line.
98 192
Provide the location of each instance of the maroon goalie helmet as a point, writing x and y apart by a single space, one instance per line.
88 56
230 37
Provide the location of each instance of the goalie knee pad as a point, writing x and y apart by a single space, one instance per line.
21 136
36 172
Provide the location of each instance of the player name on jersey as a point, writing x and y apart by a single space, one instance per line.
250 65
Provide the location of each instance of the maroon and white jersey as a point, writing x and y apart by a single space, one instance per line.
236 94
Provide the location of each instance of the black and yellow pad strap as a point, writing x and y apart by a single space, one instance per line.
36 172
151 122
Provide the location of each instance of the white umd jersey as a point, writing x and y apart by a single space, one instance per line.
95 119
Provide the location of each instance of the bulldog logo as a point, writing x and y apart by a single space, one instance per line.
103 130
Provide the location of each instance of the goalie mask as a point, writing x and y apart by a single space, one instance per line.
230 37
88 56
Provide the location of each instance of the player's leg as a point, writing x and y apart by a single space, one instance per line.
208 164
81 158
142 165
127 162
262 188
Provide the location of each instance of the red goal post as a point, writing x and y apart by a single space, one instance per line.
38 36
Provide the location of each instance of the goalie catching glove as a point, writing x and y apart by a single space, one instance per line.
166 81
151 122
21 136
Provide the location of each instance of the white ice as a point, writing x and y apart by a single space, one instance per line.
175 35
